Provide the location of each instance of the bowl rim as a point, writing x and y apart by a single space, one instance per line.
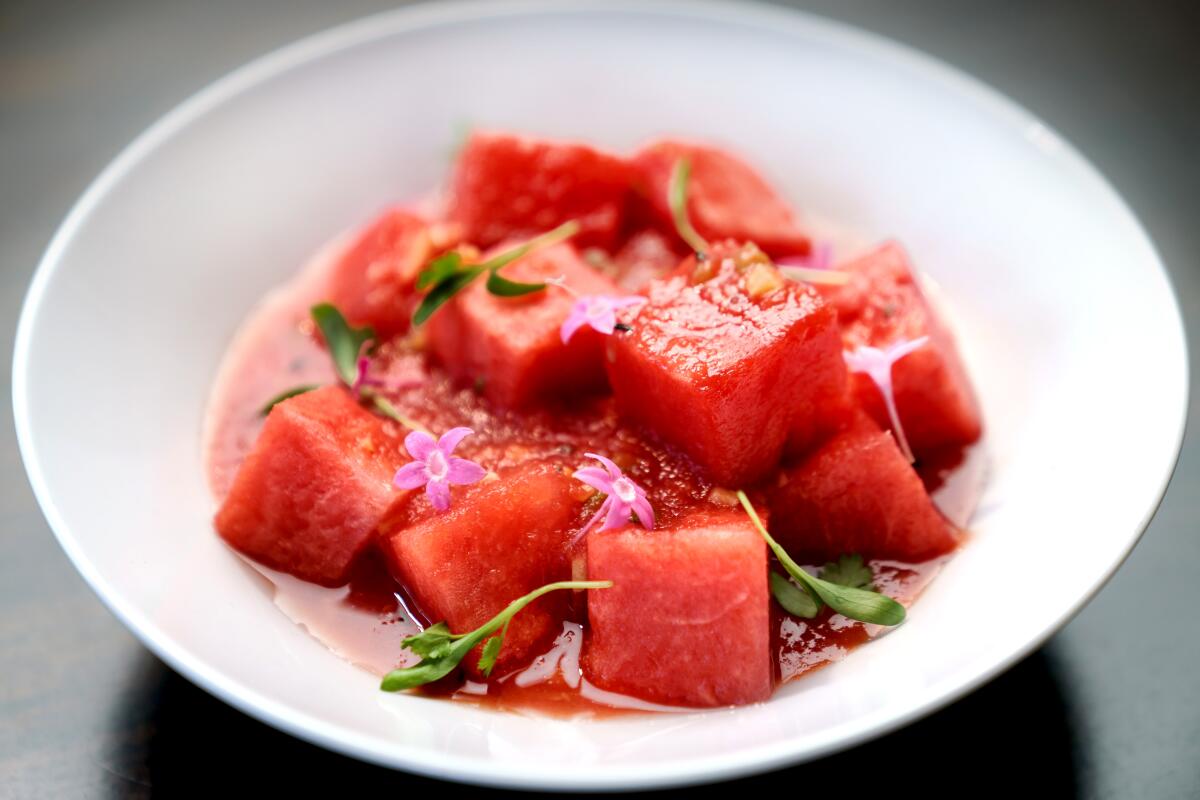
754 15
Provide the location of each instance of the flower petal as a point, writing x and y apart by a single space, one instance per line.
595 477
419 444
451 438
462 471
588 525
644 511
605 322
411 476
574 321
438 493
627 301
900 349
618 515
614 471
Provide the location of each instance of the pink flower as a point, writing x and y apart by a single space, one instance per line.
598 311
435 468
624 497
877 365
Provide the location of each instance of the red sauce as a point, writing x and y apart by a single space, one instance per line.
365 621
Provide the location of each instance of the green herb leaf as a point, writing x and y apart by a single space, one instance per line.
448 276
439 269
443 291
501 286
344 342
857 604
284 395
677 200
793 599
442 651
848 570
385 407
491 649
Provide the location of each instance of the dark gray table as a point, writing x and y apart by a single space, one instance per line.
1109 708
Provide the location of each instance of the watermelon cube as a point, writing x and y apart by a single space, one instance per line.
513 344
309 495
726 361
372 282
500 540
857 494
727 198
646 255
507 186
686 621
883 304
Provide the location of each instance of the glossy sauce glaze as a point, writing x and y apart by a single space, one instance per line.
365 621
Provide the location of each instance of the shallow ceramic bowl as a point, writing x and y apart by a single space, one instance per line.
1066 316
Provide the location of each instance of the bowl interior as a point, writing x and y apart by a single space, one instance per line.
1066 317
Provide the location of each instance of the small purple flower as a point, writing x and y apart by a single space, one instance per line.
599 311
435 468
877 364
624 497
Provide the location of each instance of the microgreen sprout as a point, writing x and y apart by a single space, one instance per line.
441 651
859 604
447 275
677 195
435 466
876 363
624 498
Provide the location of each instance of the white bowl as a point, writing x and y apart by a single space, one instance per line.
1066 315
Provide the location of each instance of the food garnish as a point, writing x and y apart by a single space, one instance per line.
441 651
447 275
624 498
598 311
876 363
677 200
435 467
859 604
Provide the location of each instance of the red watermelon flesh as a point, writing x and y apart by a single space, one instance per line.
727 198
513 344
308 496
686 621
857 494
373 281
726 361
500 540
883 304
507 186
645 255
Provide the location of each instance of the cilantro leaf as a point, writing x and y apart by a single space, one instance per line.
441 651
344 343
793 599
848 570
855 603
446 288
677 201
285 395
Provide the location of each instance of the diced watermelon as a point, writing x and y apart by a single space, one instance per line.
513 344
507 186
857 494
372 283
686 621
883 304
727 198
645 255
310 493
500 540
726 360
